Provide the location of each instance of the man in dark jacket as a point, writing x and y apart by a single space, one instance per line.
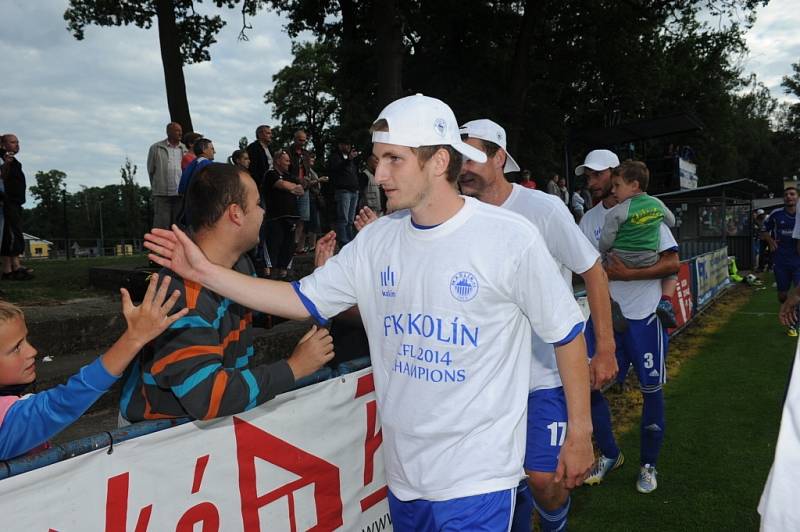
260 155
343 170
13 244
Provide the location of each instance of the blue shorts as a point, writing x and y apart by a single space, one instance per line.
644 346
488 512
547 428
786 275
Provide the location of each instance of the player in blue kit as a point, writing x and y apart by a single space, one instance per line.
449 290
643 344
551 398
777 231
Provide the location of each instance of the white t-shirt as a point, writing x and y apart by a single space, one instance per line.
637 299
448 312
174 155
778 505
571 251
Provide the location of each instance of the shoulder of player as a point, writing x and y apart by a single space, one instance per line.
539 199
513 222
388 222
596 213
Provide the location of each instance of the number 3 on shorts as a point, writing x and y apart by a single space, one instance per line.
648 360
556 427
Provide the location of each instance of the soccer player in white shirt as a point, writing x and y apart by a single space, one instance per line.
552 408
643 344
449 289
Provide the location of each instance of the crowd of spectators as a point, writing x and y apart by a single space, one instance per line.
301 198
578 202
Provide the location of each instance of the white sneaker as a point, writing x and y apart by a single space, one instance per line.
647 479
602 467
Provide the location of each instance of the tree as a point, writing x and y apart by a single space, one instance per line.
130 199
49 190
303 93
184 35
791 85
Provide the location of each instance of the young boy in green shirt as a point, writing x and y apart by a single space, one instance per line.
632 228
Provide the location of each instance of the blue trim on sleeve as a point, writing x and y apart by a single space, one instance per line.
673 248
310 306
571 336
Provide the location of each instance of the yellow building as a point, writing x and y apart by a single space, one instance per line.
36 247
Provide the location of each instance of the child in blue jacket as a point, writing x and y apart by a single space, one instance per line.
27 422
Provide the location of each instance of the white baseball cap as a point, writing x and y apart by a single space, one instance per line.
760 212
485 129
598 160
419 120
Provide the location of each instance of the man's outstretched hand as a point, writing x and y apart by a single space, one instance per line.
176 251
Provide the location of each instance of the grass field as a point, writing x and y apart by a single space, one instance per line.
728 374
57 281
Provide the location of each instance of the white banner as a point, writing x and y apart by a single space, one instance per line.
308 460
688 174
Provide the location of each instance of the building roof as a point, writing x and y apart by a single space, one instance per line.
26 236
735 189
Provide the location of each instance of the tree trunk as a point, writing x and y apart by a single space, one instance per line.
173 65
389 50
518 82
348 68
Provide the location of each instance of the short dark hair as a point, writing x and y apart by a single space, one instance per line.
790 188
215 187
235 156
631 170
200 146
260 128
190 138
424 154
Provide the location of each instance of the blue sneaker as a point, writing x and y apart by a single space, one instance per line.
602 467
647 479
666 314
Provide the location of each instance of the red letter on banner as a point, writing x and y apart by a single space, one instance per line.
366 384
117 506
205 513
252 443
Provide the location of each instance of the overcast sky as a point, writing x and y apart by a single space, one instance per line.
83 106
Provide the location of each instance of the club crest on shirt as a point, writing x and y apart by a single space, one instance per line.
463 286
388 283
